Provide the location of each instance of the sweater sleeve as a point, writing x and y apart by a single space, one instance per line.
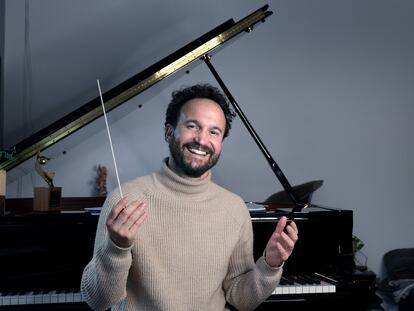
104 279
248 284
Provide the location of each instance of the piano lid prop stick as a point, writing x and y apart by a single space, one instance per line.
110 140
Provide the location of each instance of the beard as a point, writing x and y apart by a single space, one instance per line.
189 168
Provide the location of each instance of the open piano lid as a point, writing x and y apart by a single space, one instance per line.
121 93
196 50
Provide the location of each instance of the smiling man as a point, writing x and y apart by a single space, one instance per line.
178 241
195 142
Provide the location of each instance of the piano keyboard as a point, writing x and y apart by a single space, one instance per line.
289 285
38 298
305 284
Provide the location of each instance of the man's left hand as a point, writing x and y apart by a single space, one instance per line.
281 243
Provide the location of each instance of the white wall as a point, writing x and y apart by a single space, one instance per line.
326 84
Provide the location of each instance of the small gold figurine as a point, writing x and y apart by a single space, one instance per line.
47 176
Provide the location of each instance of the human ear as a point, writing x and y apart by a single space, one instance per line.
168 132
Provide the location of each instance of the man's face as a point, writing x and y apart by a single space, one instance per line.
195 144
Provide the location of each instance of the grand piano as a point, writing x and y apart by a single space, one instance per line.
42 257
42 254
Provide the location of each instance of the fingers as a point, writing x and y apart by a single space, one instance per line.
124 220
281 224
292 231
284 252
286 242
128 215
136 216
288 238
113 214
281 243
288 228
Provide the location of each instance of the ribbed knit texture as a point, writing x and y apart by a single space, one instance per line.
193 252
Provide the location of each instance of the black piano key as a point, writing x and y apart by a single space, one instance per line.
311 279
286 281
298 280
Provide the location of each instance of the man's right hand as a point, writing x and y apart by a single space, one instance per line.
124 221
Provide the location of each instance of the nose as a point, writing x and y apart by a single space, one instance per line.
201 137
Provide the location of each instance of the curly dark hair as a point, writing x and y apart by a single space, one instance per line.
180 97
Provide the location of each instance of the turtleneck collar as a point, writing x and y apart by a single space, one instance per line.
172 182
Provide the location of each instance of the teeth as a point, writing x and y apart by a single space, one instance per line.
196 151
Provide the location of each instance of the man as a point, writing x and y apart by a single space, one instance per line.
178 241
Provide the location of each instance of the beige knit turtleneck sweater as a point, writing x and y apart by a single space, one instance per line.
193 252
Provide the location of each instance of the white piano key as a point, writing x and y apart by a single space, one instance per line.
53 297
325 287
14 299
38 299
6 300
61 297
46 298
30 298
285 289
69 297
77 297
21 299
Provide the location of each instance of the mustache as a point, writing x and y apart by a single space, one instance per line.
195 145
